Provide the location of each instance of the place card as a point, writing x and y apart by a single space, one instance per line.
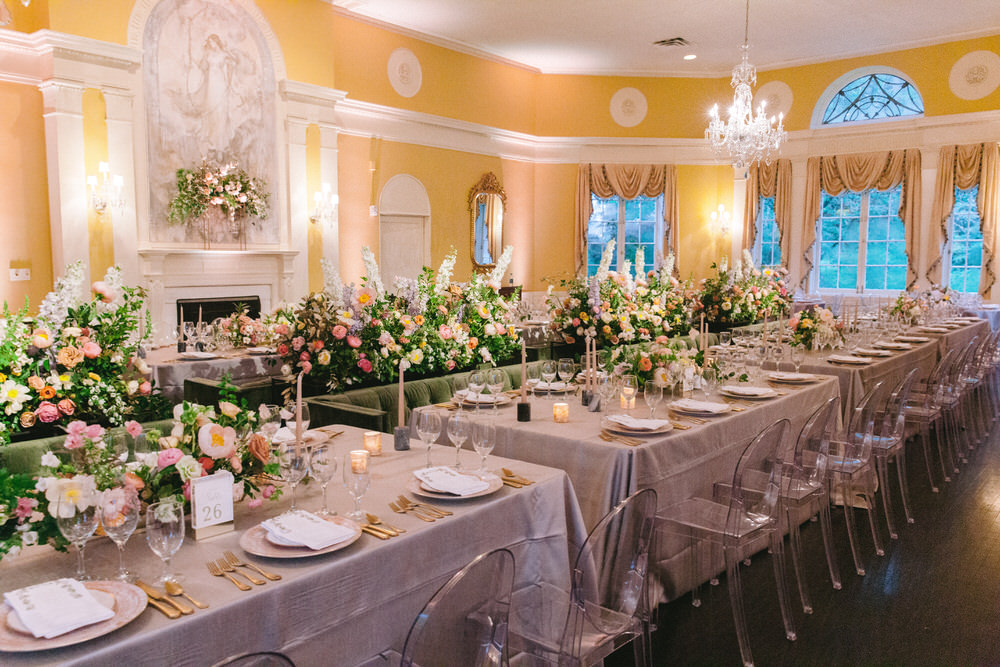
212 505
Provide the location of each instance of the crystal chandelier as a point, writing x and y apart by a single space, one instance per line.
748 138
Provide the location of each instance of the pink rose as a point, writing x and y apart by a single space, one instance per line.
298 342
94 431
444 331
385 338
66 406
282 329
76 427
354 341
576 321
267 491
236 464
133 428
282 349
339 331
451 364
25 507
91 350
254 503
186 490
145 388
103 291
47 412
306 366
304 356
168 457
73 441
365 365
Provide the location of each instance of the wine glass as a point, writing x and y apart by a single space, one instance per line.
290 420
495 379
357 478
798 355
548 374
428 425
653 393
711 375
293 461
458 433
76 515
119 514
534 375
190 331
484 438
725 338
323 466
477 382
566 369
270 420
165 533
630 387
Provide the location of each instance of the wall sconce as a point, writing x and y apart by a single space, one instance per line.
105 189
326 205
721 220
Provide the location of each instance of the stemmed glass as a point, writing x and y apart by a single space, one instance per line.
495 380
270 420
76 516
428 425
293 462
357 478
165 533
653 393
458 433
484 437
630 387
725 338
548 374
477 382
120 509
798 355
190 331
534 373
566 369
323 466
290 421
710 374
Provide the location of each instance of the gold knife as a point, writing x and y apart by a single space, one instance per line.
371 530
182 607
170 612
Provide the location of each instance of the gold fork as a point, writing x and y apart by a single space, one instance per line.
375 521
609 437
679 426
226 567
399 510
214 568
407 506
236 562
507 472
432 508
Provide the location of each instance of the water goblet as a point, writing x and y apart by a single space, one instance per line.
798 355
428 427
165 533
190 332
534 376
323 466
630 387
477 382
653 394
566 369
290 417
357 479
549 371
484 437
495 380
270 420
119 514
77 515
725 338
458 433
293 462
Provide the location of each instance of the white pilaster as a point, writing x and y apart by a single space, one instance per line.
120 157
328 171
298 208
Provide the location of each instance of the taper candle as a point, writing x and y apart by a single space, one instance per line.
524 369
298 410
401 401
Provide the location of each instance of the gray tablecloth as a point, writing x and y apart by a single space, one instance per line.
170 371
991 315
340 608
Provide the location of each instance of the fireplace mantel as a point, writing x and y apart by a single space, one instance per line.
188 273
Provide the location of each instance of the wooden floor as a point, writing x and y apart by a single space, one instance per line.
933 599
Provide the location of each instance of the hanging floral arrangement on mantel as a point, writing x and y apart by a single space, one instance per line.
218 201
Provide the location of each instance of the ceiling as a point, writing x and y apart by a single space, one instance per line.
616 36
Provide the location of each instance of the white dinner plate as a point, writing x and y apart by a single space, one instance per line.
684 407
255 541
195 355
609 424
763 396
874 352
792 378
416 487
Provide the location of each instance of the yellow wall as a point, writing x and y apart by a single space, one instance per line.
313 185
24 212
704 188
95 150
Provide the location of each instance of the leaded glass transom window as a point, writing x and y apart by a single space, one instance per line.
873 97
966 241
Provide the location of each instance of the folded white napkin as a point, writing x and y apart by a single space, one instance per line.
848 359
691 405
872 352
195 354
470 397
301 528
888 345
56 607
935 329
746 390
551 386
636 424
913 339
447 480
782 376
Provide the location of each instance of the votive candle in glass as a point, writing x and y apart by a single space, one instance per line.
373 442
560 412
359 461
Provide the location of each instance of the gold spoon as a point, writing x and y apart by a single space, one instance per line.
174 588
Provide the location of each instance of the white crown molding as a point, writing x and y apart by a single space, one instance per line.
31 58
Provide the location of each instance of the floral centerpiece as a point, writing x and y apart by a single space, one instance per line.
78 360
816 328
743 295
228 187
663 363
24 515
241 330
908 307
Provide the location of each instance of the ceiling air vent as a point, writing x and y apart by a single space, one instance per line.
673 41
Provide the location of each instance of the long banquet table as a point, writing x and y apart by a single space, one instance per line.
677 464
341 608
169 370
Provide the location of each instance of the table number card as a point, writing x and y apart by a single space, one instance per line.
212 505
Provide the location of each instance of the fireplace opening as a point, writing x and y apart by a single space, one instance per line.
188 310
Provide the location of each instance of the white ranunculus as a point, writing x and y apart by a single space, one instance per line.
188 468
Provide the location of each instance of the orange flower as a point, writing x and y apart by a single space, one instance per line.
46 392
645 364
69 356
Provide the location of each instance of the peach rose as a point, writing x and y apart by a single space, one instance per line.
259 447
69 356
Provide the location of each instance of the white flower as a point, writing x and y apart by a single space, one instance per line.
606 257
188 468
372 271
68 496
14 395
30 537
443 279
501 266
50 460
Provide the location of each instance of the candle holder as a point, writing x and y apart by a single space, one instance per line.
401 438
359 461
595 403
373 443
586 396
560 413
524 412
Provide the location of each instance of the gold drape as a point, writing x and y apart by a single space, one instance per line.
963 167
770 180
857 173
626 181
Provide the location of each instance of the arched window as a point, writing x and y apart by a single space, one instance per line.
872 93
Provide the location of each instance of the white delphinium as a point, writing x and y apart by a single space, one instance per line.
640 263
724 264
626 275
667 269
68 293
496 276
333 285
372 271
443 279
606 257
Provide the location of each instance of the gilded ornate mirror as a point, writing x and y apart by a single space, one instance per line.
487 202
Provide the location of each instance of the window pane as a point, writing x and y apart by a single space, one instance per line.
848 277
966 242
895 278
849 254
851 229
897 252
875 277
876 253
878 228
828 277
632 209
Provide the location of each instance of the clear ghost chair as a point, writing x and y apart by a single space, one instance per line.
607 605
465 623
924 410
752 514
257 659
888 443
